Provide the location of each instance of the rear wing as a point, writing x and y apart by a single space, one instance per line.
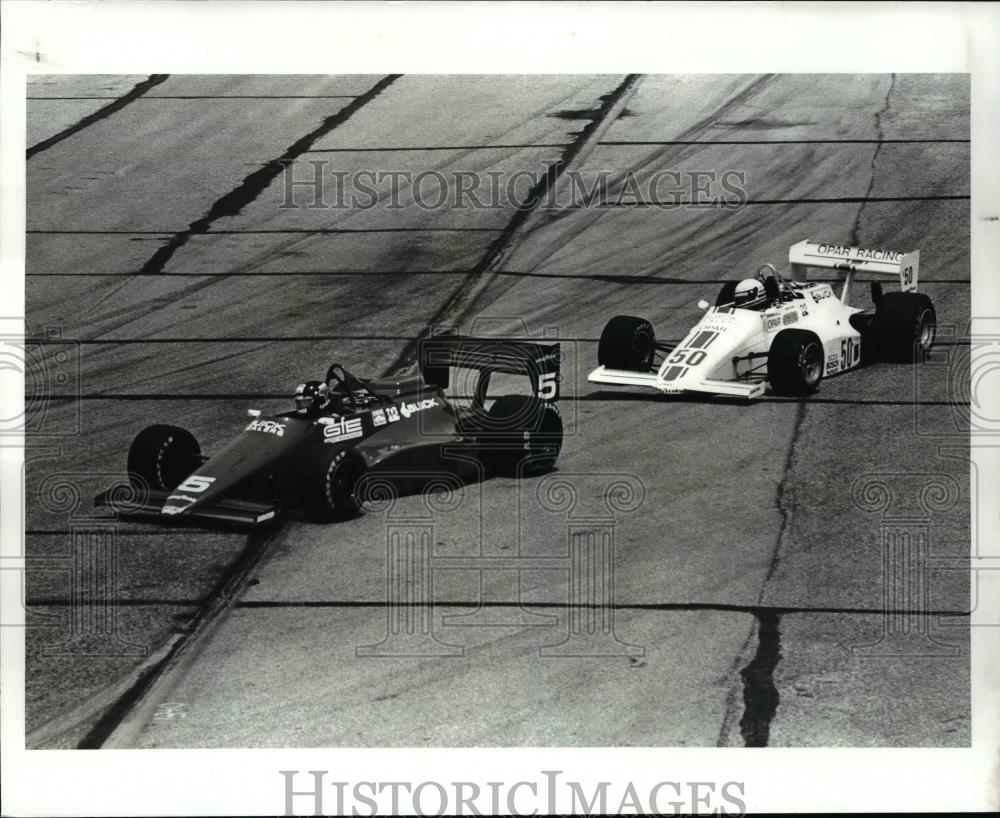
850 260
539 362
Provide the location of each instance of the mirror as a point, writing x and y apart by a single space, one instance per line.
703 304
254 413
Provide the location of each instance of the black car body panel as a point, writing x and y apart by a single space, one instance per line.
400 426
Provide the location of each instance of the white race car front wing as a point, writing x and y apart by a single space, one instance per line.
624 377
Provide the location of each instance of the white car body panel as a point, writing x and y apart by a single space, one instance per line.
725 353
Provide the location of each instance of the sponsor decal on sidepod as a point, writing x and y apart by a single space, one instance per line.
269 426
408 409
340 430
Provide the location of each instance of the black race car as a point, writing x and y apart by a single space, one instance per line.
344 429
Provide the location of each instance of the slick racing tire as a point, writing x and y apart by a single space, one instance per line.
330 487
904 327
520 435
795 362
161 456
627 343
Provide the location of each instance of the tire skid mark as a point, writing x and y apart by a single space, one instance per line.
463 300
463 153
137 91
233 202
668 155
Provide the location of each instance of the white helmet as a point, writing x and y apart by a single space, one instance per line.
748 291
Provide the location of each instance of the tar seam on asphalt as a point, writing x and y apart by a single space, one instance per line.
269 604
609 278
593 398
137 91
232 203
216 96
862 200
291 339
536 195
785 142
217 601
856 227
760 695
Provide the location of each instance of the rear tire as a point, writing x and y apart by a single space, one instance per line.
329 488
627 343
161 456
904 327
520 435
795 362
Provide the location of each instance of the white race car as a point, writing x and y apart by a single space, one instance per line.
770 330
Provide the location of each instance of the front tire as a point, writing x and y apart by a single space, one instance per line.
904 327
330 487
161 456
520 435
795 362
627 343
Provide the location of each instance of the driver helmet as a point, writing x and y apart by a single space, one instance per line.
311 396
748 291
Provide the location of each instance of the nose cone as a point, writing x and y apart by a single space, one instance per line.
259 445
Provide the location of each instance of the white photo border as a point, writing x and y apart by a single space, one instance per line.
566 37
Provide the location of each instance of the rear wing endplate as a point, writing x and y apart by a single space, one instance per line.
849 260
539 362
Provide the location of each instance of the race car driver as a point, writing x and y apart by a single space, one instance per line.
750 294
311 398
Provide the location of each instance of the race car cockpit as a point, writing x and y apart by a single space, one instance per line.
766 289
340 393
347 393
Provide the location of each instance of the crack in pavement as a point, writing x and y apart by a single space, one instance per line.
137 91
856 227
760 694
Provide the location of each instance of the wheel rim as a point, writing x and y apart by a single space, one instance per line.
642 346
925 330
340 486
811 363
543 445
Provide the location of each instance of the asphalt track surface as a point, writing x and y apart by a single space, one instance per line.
755 599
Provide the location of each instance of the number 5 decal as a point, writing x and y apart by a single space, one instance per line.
196 483
547 385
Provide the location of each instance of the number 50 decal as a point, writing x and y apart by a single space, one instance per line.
547 385
196 484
